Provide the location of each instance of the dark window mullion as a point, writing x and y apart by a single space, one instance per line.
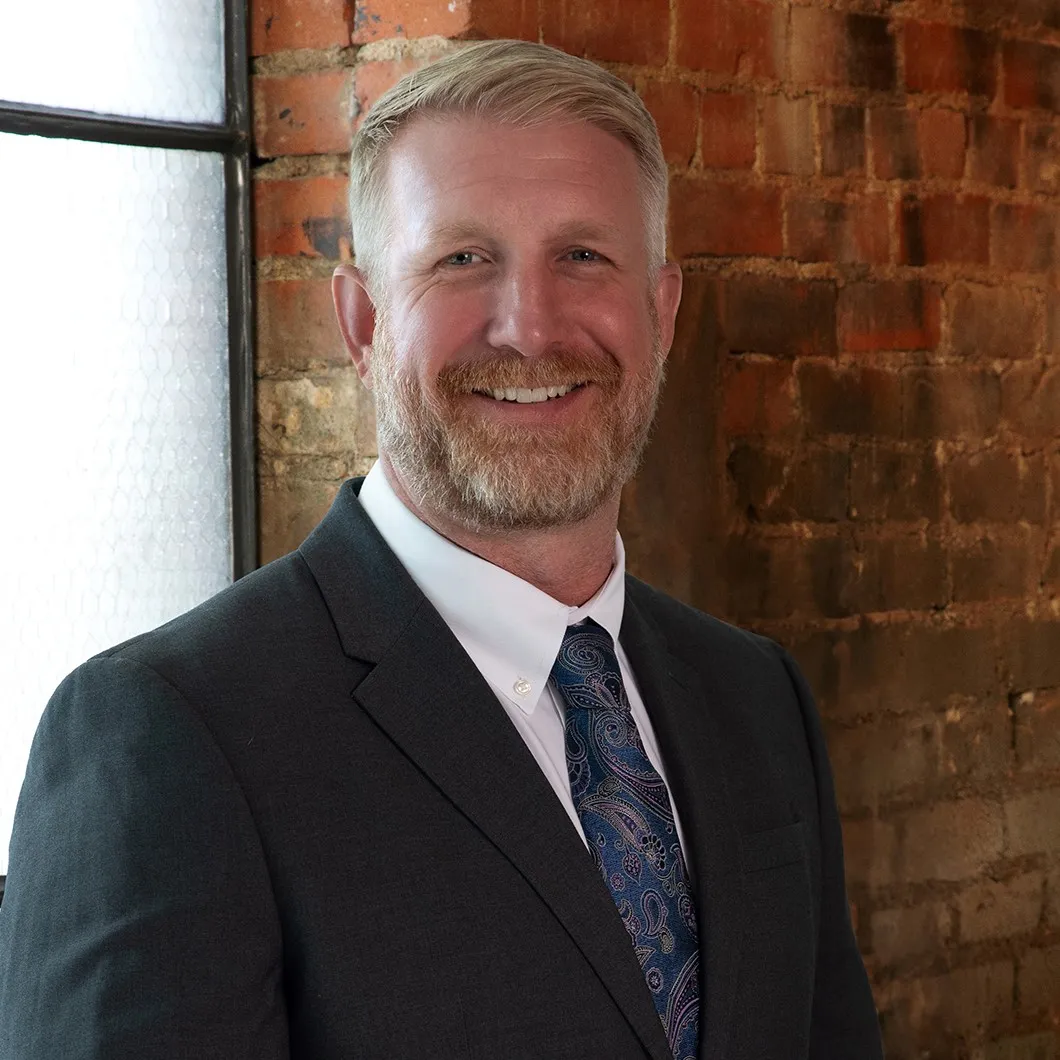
30 119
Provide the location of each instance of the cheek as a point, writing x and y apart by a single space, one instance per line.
442 330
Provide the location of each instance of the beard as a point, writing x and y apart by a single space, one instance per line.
492 477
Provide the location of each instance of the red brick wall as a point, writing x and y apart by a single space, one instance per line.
859 449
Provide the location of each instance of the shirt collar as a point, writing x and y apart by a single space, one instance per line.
511 629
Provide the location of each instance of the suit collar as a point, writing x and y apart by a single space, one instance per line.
678 701
382 617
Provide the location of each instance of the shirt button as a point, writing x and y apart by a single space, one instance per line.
522 687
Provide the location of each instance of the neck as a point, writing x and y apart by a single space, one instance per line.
569 563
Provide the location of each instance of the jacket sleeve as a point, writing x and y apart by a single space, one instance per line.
845 1023
138 918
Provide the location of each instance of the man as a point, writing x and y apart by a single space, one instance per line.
446 782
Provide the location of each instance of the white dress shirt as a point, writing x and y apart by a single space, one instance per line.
511 630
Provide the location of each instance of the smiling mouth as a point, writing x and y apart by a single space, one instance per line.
525 396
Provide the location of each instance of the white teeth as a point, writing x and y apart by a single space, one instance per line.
525 396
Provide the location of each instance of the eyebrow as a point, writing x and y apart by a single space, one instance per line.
573 231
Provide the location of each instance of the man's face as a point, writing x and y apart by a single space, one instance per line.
517 268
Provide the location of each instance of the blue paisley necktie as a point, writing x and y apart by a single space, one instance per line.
629 824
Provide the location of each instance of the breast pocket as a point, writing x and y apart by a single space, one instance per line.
779 945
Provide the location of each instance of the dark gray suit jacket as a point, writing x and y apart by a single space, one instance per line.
295 822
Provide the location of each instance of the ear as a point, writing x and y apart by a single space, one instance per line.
356 313
667 293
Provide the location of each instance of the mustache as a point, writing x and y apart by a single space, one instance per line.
560 368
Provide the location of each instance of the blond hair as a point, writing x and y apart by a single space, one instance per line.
512 82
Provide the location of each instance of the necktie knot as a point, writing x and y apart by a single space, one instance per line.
587 672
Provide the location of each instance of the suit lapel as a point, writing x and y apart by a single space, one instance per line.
680 712
429 698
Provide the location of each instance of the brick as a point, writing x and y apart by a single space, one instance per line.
1032 656
1030 397
777 488
951 402
674 106
870 850
893 138
943 138
304 114
994 150
866 577
1032 74
1039 976
742 38
858 400
1042 141
998 910
944 228
976 741
766 578
728 124
493 19
380 19
889 315
1033 823
834 49
1037 716
296 328
897 667
898 934
293 496
787 135
616 31
996 485
951 840
880 759
1023 238
944 58
992 569
842 140
306 218
838 230
972 1003
895 484
1044 1046
778 316
998 322
326 414
372 79
725 219
277 25
758 396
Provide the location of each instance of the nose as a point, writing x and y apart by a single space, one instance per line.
527 310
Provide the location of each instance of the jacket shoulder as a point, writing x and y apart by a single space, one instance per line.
687 629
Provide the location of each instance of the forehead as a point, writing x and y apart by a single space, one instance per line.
443 168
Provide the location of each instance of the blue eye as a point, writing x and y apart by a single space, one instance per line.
462 257
581 254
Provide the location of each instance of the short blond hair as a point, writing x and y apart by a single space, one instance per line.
512 82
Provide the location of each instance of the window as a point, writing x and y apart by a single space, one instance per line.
125 333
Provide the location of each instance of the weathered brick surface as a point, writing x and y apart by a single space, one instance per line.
303 218
725 219
673 105
276 25
1001 909
1037 717
303 114
946 58
728 122
859 449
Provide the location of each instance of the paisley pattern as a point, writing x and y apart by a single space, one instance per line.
628 821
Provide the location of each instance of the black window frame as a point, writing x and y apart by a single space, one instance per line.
233 141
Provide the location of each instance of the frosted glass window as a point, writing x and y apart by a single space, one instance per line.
116 456
106 56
